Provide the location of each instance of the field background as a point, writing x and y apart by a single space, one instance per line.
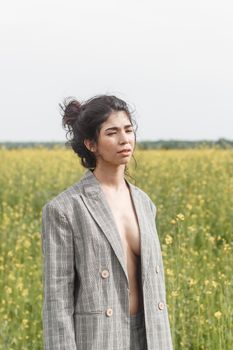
193 192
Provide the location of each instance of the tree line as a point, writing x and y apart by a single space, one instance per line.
221 143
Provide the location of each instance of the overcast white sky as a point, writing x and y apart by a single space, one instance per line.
170 59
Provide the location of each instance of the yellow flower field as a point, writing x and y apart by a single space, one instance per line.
193 193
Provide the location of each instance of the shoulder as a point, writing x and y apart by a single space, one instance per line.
146 197
64 200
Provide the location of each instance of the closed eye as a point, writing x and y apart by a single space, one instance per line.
128 131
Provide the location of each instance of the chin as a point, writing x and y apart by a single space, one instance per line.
125 162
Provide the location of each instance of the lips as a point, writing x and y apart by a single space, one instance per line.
124 150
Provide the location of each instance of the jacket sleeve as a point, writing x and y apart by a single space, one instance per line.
153 208
154 211
58 279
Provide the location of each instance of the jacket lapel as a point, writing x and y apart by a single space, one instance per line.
95 201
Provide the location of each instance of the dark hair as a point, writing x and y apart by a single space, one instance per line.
83 120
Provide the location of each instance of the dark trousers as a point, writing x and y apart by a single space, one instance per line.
137 332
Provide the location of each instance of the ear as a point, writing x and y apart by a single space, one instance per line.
90 145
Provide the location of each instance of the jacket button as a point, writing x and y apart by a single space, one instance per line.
109 312
157 269
105 273
161 306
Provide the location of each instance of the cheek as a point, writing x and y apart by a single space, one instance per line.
132 138
107 145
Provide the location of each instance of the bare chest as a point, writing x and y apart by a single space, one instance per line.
126 221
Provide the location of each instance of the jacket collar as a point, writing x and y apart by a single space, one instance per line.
91 186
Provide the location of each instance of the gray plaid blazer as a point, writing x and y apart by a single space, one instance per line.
80 241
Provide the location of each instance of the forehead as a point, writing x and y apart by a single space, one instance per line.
117 118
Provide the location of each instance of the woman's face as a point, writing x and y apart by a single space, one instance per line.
116 134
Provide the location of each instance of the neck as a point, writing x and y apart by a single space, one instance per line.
111 178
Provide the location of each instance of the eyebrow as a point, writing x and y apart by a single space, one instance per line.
116 128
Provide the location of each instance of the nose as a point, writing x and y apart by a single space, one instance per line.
124 138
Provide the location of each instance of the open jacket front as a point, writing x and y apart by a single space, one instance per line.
80 240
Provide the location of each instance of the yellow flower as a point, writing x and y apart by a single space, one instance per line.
174 293
11 276
201 321
8 290
192 282
211 239
19 285
27 244
226 247
214 284
169 272
25 293
180 217
192 228
25 323
168 239
189 206
218 314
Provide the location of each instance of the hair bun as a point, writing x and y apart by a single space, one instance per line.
70 112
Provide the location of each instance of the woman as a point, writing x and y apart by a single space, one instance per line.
103 272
